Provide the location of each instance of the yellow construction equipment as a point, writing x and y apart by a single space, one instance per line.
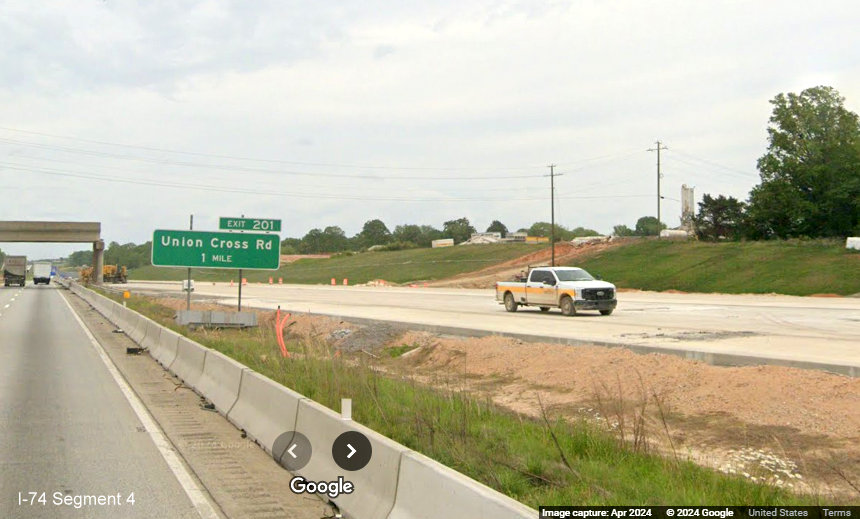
110 274
115 274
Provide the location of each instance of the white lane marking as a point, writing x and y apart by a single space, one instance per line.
189 485
7 306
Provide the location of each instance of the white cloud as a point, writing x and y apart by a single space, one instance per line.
483 86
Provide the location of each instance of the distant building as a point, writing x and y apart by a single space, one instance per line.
537 239
688 208
496 235
483 238
516 236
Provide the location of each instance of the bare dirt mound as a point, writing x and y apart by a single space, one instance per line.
565 252
799 429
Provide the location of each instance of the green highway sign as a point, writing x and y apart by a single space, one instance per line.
206 249
249 224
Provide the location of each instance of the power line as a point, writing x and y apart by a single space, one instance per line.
247 169
253 159
716 164
220 189
90 168
607 157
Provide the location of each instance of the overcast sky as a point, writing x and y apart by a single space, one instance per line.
137 114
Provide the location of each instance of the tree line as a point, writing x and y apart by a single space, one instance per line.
810 176
333 239
128 254
376 234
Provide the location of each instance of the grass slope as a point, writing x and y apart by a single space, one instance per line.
794 267
395 266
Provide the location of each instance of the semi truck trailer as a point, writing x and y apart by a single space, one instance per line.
15 270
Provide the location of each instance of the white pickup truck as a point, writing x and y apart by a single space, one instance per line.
569 288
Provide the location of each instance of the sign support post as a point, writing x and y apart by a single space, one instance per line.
227 223
240 290
188 297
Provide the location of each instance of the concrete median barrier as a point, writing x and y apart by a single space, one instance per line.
375 484
265 409
124 318
152 334
427 489
113 310
165 354
189 361
137 328
119 313
220 380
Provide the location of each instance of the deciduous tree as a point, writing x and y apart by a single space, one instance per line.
719 217
810 174
459 229
373 233
649 226
498 227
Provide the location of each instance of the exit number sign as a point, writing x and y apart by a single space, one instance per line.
249 224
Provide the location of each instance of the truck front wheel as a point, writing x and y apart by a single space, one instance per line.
566 305
510 304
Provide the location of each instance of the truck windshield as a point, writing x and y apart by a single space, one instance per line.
573 275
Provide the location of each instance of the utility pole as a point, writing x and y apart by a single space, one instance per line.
657 149
552 176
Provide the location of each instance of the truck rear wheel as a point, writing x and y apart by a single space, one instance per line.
544 309
606 312
510 304
566 305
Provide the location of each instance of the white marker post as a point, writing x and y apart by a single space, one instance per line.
346 408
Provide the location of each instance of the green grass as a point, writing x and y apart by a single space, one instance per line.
512 453
395 266
795 267
399 351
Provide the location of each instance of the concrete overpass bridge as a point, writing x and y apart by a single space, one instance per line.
58 232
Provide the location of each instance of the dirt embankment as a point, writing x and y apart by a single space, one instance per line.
790 427
565 252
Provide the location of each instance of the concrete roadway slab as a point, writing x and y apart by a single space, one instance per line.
800 331
65 425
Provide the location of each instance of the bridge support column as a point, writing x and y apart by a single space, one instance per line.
98 262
